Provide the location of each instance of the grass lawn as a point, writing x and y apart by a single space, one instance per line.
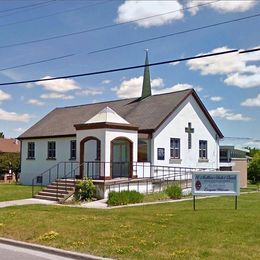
164 231
15 192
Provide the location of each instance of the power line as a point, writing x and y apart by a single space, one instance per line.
176 33
130 68
38 62
31 7
21 7
128 44
97 28
56 13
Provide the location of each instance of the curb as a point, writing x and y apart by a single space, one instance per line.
155 202
50 250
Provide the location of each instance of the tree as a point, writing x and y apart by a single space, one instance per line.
2 135
254 168
10 161
252 151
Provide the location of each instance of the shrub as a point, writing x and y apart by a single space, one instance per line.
254 169
84 190
124 197
174 191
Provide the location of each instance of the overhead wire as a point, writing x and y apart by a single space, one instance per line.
131 67
128 44
176 33
31 7
99 28
56 13
21 7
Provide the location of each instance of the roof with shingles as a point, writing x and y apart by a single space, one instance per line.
147 114
9 146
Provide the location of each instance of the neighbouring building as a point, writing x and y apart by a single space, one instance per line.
233 158
9 146
124 138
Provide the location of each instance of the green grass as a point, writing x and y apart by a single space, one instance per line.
165 231
15 192
157 196
250 187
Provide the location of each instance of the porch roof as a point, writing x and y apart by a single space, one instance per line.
146 114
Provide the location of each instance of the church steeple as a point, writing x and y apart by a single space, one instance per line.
146 90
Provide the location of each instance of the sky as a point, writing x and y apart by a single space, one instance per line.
228 85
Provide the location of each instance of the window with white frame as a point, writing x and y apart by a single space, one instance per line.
31 150
52 150
73 149
175 144
203 149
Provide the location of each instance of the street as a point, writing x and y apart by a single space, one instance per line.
8 252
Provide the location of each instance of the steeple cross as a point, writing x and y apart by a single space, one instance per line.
190 131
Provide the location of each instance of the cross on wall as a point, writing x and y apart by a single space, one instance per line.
190 131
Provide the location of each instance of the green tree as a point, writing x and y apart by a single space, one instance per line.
2 135
254 168
10 161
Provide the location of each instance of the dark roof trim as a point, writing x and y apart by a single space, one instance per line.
209 117
203 108
47 136
105 125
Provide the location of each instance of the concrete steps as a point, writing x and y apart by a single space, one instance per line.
58 190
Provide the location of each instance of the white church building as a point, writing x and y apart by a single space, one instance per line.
125 138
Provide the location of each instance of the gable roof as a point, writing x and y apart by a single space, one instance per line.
107 115
147 114
9 145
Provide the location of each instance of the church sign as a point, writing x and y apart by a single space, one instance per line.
215 183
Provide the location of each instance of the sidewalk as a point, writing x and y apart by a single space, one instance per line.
36 251
10 203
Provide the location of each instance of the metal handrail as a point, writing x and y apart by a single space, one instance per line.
50 172
164 172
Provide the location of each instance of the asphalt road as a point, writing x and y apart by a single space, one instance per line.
8 252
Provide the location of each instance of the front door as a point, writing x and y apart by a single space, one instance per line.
121 158
90 159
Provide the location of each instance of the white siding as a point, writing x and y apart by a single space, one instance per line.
32 168
106 136
174 127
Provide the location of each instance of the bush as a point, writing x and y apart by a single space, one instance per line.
174 191
84 190
124 197
254 169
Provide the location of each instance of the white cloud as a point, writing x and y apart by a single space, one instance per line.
13 116
252 102
177 87
216 98
35 102
174 63
133 87
238 69
243 80
58 85
4 96
228 114
133 10
106 81
90 92
54 95
19 130
222 6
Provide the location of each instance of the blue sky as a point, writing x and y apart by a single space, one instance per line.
228 86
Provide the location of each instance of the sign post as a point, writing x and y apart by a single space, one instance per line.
215 183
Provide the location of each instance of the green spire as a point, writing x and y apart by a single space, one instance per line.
146 91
